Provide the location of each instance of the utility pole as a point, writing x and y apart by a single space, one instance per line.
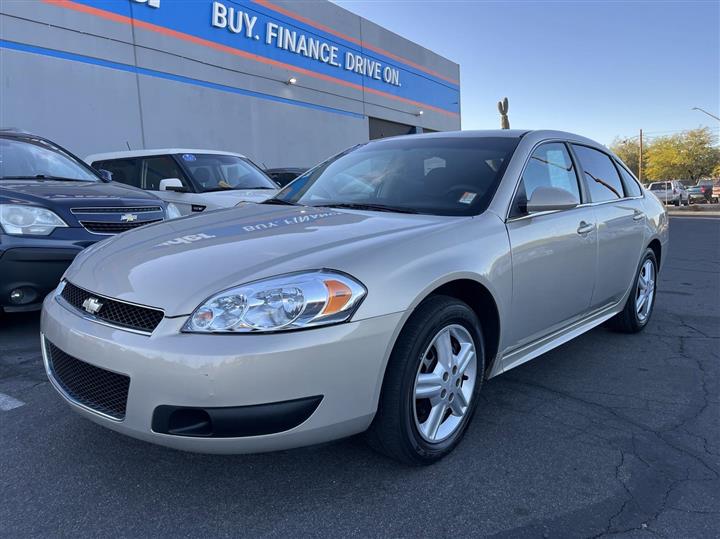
640 163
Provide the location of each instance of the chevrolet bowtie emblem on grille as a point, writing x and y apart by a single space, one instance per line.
128 217
92 305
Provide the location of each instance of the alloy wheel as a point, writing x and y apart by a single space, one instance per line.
444 383
645 293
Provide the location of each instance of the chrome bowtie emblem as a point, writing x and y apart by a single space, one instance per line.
92 305
128 217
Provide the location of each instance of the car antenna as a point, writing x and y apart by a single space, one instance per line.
128 145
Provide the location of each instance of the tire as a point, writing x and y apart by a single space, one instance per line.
398 430
630 320
677 202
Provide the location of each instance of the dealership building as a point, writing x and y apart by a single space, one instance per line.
286 83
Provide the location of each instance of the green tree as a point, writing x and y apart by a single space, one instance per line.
690 155
629 151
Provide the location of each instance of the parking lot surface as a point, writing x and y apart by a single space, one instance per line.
609 434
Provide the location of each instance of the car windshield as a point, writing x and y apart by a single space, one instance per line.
431 175
32 158
217 172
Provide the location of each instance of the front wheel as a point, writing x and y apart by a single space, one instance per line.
431 384
639 306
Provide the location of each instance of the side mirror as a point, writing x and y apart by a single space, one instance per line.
172 184
551 199
106 175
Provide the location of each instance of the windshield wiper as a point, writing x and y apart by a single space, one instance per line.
280 202
43 177
371 207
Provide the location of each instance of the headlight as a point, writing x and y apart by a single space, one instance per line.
293 301
173 212
19 219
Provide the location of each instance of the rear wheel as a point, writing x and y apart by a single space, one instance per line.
639 306
431 384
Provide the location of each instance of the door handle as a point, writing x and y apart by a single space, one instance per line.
638 216
585 228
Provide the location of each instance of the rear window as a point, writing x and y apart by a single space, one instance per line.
659 186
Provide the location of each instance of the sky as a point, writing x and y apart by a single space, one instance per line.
603 69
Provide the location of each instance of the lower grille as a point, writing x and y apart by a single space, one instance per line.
99 227
103 391
117 313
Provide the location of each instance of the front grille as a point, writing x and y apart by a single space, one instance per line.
145 209
99 227
117 313
91 386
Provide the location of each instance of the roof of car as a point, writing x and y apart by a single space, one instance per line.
149 153
505 133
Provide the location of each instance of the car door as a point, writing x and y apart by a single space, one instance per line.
620 220
553 253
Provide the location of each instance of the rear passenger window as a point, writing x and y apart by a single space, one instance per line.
600 174
127 171
550 165
632 189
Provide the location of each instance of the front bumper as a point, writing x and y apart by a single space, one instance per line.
343 364
34 268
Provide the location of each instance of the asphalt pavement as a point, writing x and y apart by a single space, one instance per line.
609 434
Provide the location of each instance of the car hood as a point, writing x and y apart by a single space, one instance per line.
232 197
175 265
71 192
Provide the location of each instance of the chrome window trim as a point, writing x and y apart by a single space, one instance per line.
51 376
91 318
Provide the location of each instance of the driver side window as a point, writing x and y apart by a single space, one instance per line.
550 165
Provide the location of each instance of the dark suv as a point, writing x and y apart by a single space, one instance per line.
52 205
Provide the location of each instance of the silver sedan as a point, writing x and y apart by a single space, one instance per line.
374 294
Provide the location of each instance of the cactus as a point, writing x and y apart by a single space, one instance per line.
503 109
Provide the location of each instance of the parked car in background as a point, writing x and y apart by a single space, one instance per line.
716 192
702 191
52 206
377 292
283 176
193 180
670 192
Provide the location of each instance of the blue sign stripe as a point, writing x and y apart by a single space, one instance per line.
330 37
195 19
167 76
